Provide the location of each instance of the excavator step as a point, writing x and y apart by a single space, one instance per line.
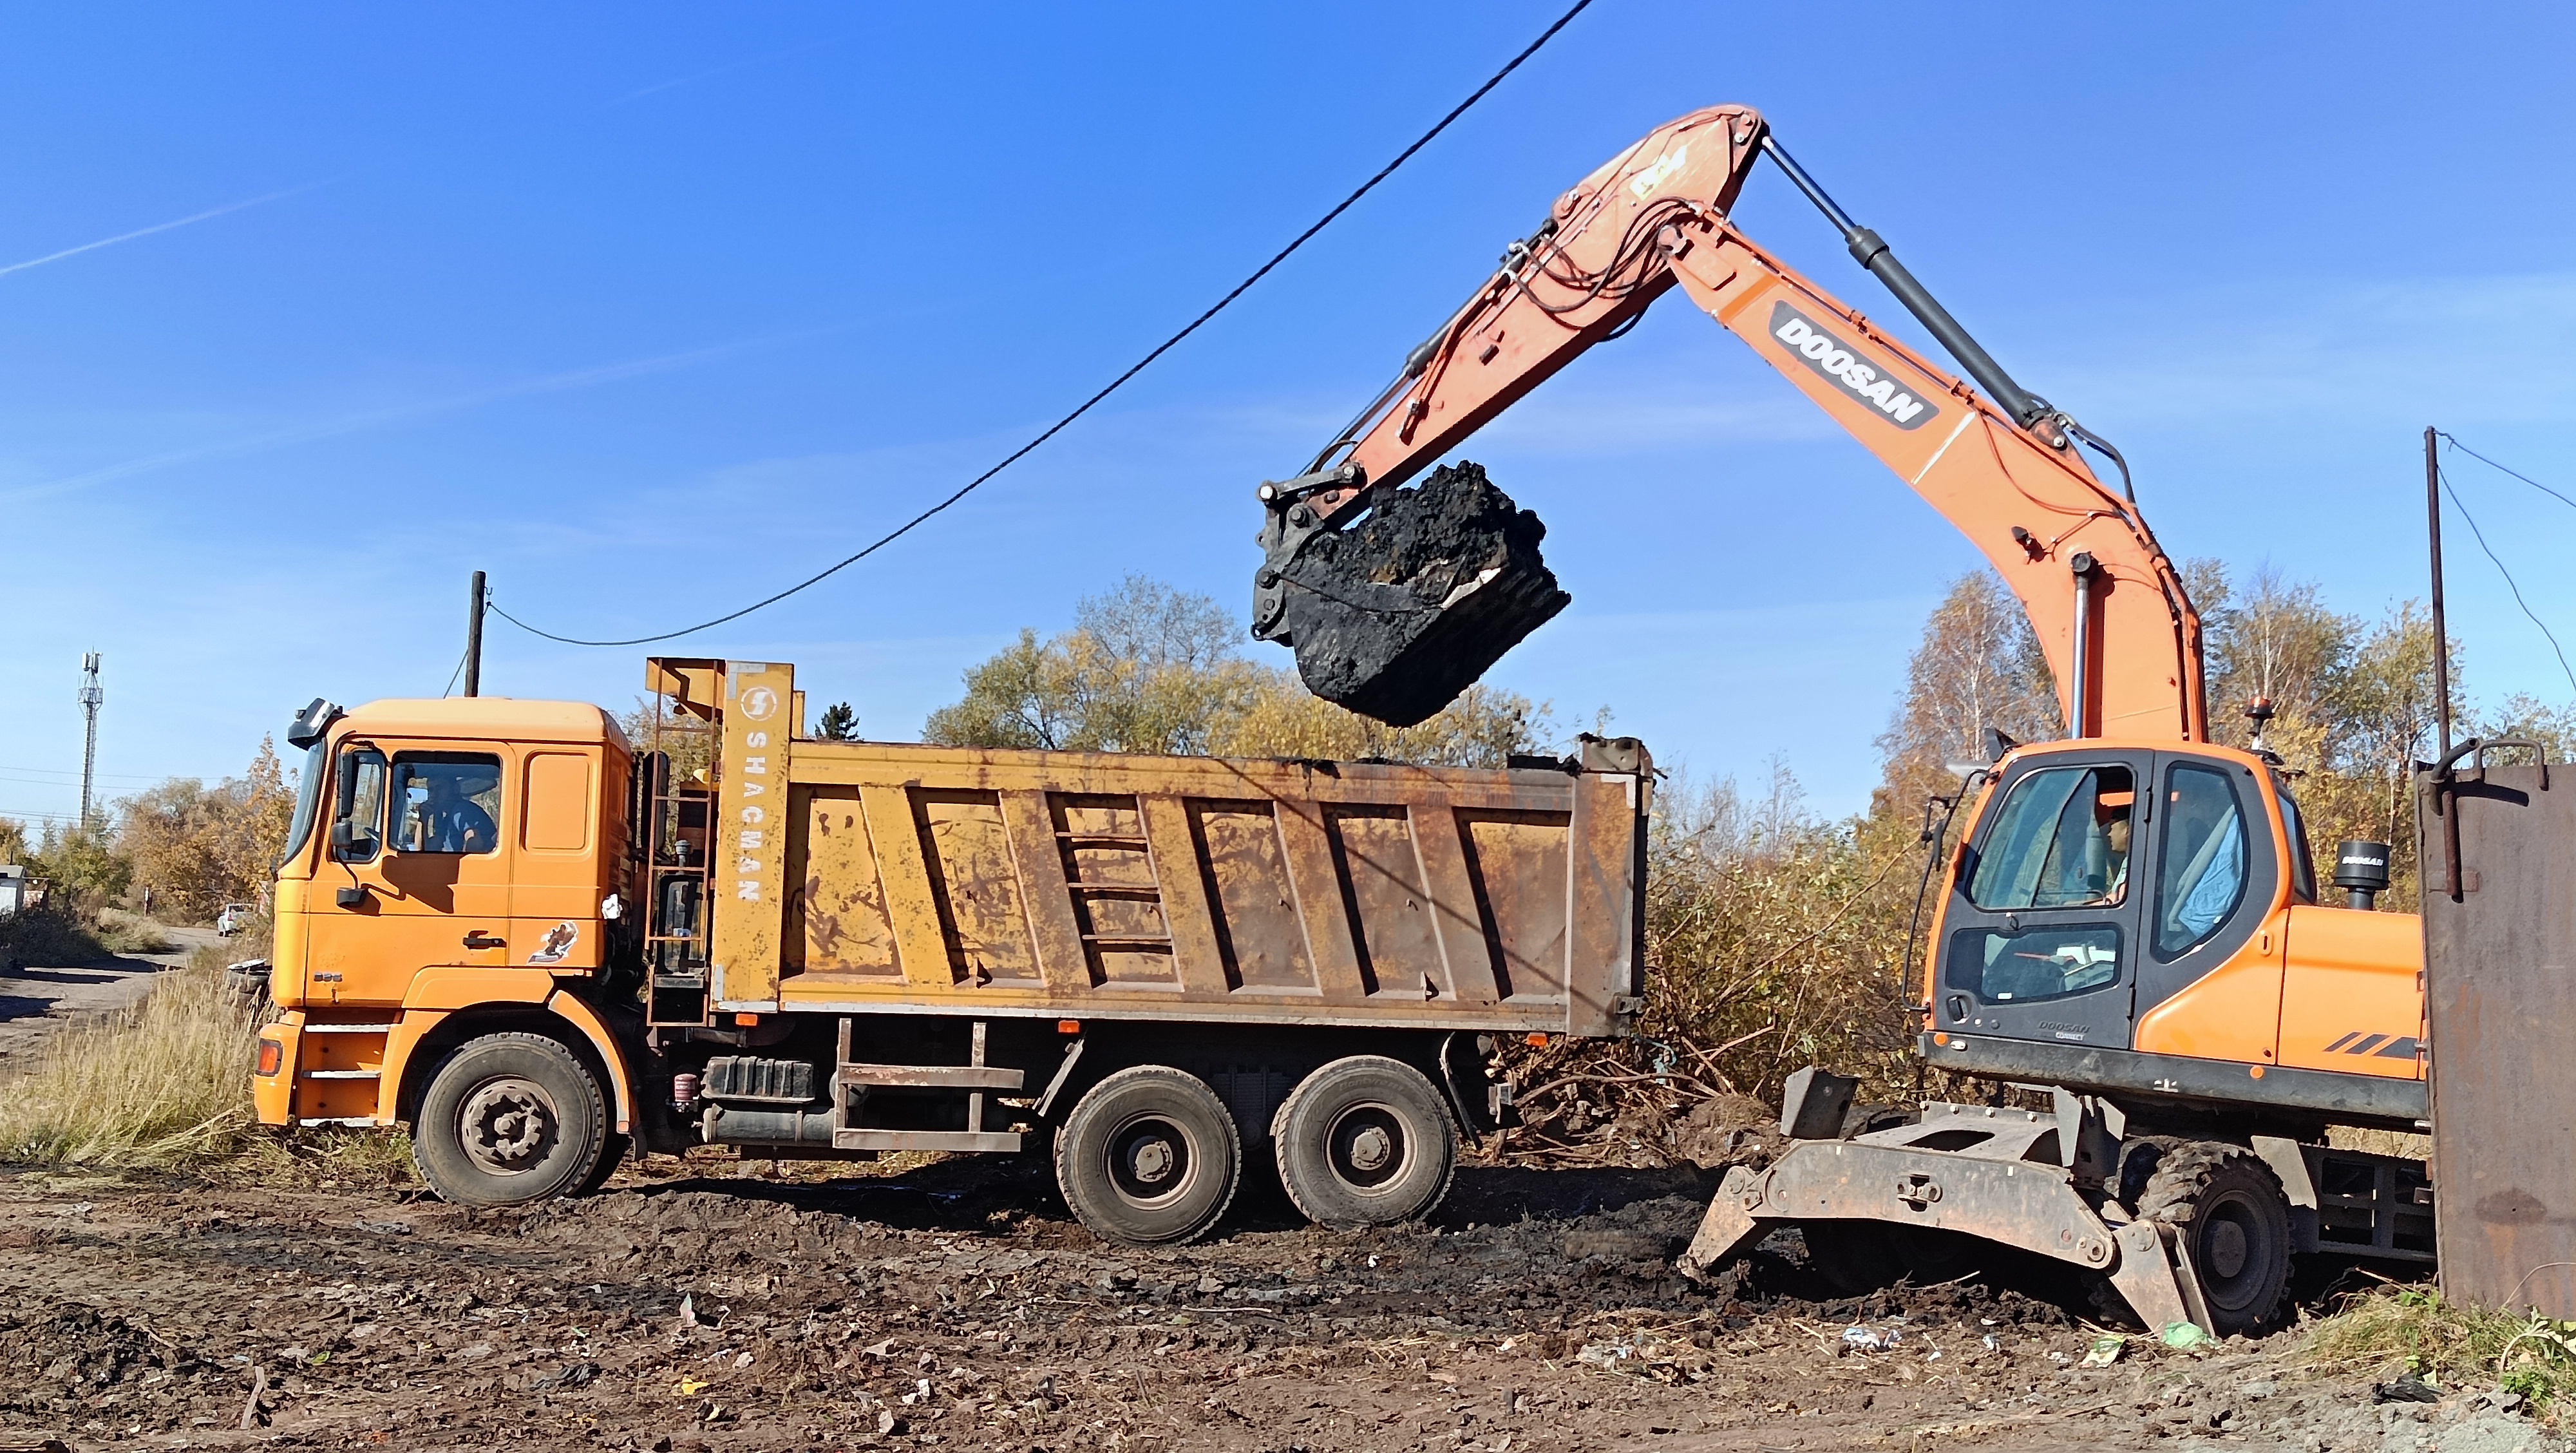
1395 616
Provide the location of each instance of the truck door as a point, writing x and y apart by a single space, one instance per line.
417 866
2041 937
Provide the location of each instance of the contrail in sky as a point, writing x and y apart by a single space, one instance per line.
362 422
6 269
707 75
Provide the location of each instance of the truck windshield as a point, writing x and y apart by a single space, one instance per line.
308 802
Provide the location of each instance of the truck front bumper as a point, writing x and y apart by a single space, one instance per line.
272 1080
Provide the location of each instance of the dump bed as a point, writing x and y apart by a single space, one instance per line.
850 876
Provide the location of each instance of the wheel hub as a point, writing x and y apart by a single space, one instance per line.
1367 1146
2226 1250
509 1125
1151 1162
1371 1149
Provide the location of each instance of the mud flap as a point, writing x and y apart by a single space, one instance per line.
1394 616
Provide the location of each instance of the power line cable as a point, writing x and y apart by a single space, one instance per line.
2481 537
2518 474
460 658
1138 367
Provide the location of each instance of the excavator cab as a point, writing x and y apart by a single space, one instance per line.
2141 921
2099 882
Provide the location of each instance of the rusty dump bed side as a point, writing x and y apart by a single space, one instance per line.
861 875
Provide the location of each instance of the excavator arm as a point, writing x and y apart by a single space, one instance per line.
2108 606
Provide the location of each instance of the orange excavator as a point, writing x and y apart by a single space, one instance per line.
2129 928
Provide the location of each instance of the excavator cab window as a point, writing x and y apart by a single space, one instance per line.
2040 940
2061 840
2200 876
2303 867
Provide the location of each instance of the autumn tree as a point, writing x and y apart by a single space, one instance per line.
13 840
1146 668
1978 669
198 847
81 865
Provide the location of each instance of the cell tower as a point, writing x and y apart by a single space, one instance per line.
90 697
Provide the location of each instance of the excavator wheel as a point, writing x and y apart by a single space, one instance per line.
1396 615
2233 1219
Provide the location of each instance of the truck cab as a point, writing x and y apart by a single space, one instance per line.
443 854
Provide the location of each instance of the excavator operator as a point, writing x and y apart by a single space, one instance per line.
2114 821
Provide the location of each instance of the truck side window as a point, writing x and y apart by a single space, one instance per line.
358 806
446 802
2061 840
2200 875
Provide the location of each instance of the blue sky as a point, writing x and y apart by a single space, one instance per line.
648 309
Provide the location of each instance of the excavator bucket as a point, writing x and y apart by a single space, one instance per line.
1396 615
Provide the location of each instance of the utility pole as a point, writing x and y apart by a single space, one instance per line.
474 638
90 697
2441 638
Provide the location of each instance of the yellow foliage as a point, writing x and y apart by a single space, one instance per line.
198 847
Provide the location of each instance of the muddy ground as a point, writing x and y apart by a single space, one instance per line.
957 1305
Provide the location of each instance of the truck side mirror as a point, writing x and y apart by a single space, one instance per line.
343 834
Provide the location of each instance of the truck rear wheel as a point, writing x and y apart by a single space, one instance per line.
510 1119
2229 1210
1365 1141
1149 1157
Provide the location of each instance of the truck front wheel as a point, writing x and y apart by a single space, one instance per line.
1365 1141
510 1119
1149 1158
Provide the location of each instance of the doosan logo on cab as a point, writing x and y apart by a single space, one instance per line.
1849 367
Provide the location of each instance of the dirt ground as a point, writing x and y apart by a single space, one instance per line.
957 1305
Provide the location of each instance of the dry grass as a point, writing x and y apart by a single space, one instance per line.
49 937
131 933
2381 1142
327 1158
166 1086
161 1085
2414 1329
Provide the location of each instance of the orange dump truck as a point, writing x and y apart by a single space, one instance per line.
539 946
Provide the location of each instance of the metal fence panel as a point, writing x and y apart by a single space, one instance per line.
2500 1002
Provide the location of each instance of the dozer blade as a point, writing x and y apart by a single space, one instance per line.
1394 616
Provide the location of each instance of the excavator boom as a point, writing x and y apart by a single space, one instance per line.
2106 603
